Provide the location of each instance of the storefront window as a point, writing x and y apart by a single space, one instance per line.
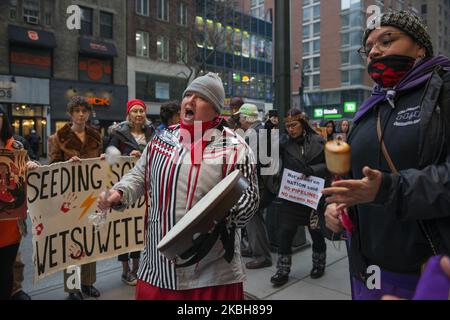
199 24
229 40
245 44
237 42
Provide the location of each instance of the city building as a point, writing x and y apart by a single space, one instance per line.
328 77
238 47
436 15
160 50
44 62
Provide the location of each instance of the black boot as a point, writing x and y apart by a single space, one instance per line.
319 261
283 270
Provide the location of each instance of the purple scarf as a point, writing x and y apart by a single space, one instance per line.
421 73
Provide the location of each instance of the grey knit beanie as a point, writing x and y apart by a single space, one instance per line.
210 86
407 22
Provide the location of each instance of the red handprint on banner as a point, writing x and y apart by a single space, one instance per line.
38 226
67 205
76 252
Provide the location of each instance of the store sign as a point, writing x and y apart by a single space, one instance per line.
33 35
25 90
330 112
99 102
327 113
6 91
318 113
350 107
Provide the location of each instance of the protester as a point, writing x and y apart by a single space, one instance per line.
170 114
258 240
330 129
131 138
233 121
302 150
345 126
177 186
35 141
11 231
73 142
399 198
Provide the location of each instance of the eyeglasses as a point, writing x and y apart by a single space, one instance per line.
382 44
292 125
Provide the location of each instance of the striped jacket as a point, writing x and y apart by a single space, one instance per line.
174 186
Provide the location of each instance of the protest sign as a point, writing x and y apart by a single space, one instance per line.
13 189
61 197
297 187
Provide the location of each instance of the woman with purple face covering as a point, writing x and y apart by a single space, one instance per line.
398 194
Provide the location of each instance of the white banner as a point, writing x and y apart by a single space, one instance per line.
297 187
61 197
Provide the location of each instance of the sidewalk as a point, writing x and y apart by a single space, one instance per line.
334 285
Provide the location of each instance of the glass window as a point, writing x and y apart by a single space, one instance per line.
86 21
162 48
356 38
345 21
306 31
316 28
345 77
316 63
211 40
245 44
345 38
317 46
200 34
355 4
142 7
307 14
142 44
307 48
261 49
163 10
345 57
220 35
182 14
355 76
356 19
182 51
31 11
253 46
268 50
316 80
162 90
316 12
355 58
238 42
106 25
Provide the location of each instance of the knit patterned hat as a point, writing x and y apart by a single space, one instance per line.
210 86
406 21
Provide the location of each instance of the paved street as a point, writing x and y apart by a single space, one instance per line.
334 285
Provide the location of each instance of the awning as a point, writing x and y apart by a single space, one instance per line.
97 48
31 37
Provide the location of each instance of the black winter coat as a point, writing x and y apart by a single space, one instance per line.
122 139
307 158
420 194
